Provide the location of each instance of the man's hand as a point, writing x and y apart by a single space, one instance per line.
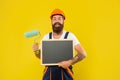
36 50
65 64
35 47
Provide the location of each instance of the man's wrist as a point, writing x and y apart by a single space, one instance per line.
37 51
71 61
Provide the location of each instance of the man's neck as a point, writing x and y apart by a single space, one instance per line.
56 35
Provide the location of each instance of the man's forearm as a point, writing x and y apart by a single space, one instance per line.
77 58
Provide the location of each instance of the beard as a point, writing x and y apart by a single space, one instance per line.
57 27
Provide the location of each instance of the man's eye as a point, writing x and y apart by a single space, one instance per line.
59 19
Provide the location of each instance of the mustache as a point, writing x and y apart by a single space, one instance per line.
57 23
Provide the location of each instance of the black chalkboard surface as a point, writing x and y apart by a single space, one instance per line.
54 51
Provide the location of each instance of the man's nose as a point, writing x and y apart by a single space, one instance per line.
56 22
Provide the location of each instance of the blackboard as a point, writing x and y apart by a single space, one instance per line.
54 51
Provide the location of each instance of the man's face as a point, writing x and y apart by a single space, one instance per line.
57 23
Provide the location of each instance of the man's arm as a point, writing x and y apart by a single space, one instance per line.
80 56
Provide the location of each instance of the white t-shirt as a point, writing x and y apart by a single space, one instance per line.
70 36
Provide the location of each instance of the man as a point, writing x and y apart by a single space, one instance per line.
64 69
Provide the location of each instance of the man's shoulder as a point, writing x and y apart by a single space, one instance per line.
67 31
70 33
46 36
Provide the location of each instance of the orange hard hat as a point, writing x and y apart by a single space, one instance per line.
57 12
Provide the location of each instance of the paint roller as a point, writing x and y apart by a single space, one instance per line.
32 34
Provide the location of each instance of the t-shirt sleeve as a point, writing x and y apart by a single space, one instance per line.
74 38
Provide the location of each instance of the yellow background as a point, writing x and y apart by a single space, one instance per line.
96 23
